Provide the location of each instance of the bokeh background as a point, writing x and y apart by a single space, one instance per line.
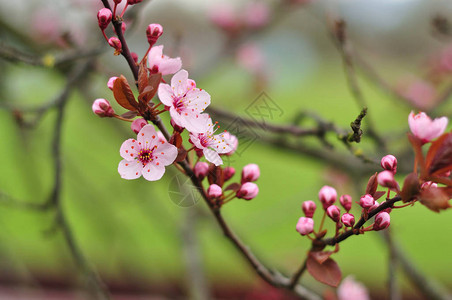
132 232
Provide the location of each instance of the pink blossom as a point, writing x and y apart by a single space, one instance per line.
346 202
382 221
334 213
232 141
185 102
102 108
257 14
250 172
146 156
327 196
348 220
214 191
426 129
248 191
137 124
210 144
305 225
159 63
308 208
349 289
201 169
111 81
250 57
366 201
389 162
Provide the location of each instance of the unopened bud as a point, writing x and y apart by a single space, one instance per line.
115 43
111 81
250 173
346 202
201 169
376 205
104 18
305 226
228 172
137 124
334 213
386 179
102 108
153 32
348 220
366 201
308 208
382 221
327 196
214 191
389 162
248 191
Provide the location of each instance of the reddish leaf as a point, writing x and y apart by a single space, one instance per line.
439 156
435 198
142 75
123 94
181 155
321 256
417 147
411 187
176 139
328 272
233 187
372 185
378 194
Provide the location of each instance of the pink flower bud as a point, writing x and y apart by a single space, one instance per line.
104 18
102 108
308 208
327 196
424 128
137 124
366 201
389 162
111 81
382 221
134 56
346 202
250 173
153 32
115 43
231 140
348 220
201 169
386 179
214 191
228 172
334 213
248 191
305 226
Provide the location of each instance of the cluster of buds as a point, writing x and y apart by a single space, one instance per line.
220 193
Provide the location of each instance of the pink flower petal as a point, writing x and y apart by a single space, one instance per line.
165 94
130 169
170 65
129 149
194 122
198 100
155 55
147 137
179 83
153 172
212 156
165 153
220 144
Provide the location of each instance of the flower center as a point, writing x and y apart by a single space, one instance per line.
145 156
179 104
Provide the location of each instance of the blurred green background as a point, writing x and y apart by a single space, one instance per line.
130 231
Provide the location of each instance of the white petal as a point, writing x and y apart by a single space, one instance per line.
165 94
155 55
220 144
196 123
130 169
153 172
165 154
197 100
179 83
129 149
170 65
212 156
147 137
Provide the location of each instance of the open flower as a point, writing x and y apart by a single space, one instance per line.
210 144
185 102
147 155
426 129
159 63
